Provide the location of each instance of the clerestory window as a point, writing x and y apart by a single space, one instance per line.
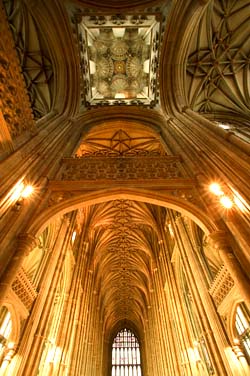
126 359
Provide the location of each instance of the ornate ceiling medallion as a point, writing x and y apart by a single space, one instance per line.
119 57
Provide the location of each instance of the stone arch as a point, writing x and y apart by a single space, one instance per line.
85 199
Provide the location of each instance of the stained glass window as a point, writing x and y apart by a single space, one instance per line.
126 359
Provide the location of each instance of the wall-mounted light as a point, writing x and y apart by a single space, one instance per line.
27 191
215 188
15 196
21 190
224 200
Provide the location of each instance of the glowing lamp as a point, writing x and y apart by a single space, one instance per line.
28 190
215 189
226 202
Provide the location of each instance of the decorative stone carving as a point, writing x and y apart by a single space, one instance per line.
57 197
221 286
119 49
119 83
105 67
217 68
128 46
14 100
34 58
120 168
24 289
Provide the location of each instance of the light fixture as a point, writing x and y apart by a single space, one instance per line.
27 191
215 188
226 202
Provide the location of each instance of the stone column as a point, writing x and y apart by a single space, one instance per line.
216 334
221 242
35 332
184 342
25 244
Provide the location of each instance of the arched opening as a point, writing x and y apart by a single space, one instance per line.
118 247
126 357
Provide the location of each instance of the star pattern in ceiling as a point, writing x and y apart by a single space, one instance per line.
120 142
218 66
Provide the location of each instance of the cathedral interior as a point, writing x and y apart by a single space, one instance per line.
124 187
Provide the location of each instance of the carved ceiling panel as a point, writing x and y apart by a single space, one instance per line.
33 55
218 65
15 112
119 54
123 141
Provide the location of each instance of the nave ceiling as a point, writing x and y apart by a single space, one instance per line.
123 244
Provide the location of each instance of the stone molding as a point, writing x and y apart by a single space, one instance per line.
14 99
120 168
24 289
221 285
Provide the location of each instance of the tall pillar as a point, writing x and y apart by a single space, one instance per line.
218 341
25 244
221 242
183 338
34 335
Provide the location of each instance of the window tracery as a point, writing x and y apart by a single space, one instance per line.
126 359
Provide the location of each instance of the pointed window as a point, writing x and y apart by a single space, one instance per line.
126 358
242 323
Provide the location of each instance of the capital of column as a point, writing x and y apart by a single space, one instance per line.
221 242
25 243
219 239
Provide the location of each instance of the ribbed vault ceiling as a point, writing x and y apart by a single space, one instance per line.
123 235
123 239
218 69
